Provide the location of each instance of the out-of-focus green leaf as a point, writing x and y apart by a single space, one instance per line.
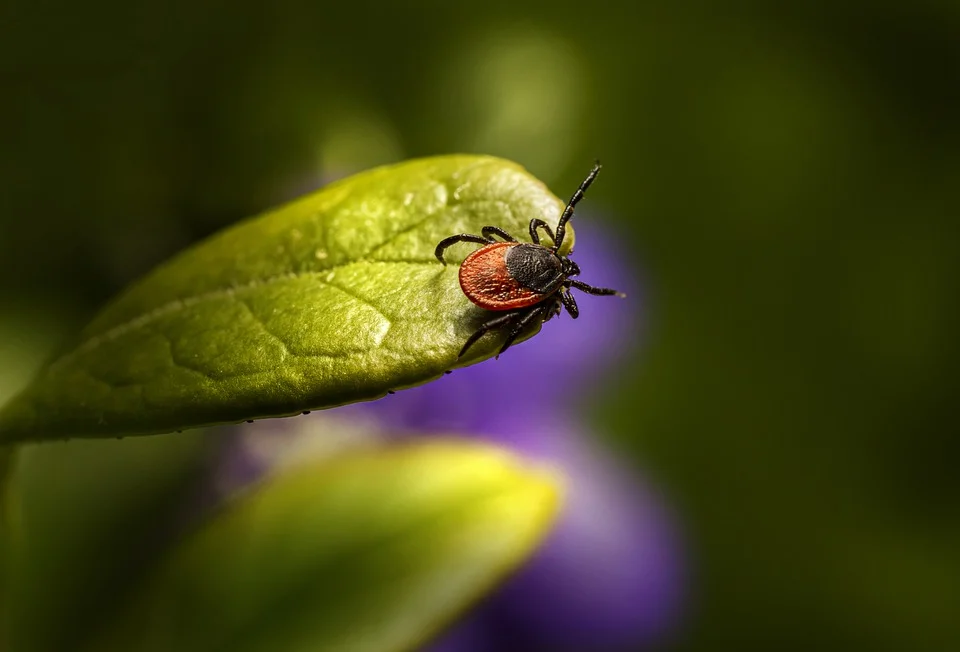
29 330
373 551
333 298
6 461
85 521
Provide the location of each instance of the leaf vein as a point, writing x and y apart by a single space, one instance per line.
284 348
178 305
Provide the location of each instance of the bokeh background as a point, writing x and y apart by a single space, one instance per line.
784 175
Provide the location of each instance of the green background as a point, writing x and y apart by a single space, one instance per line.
786 172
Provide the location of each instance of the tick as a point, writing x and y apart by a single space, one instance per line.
524 281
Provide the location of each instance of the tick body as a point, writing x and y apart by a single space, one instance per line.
522 281
510 275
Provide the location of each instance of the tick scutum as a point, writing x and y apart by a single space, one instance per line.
534 267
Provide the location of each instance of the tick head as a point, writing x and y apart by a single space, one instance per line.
570 268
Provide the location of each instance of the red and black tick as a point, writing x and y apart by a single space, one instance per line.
524 281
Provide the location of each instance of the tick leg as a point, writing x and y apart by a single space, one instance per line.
537 223
589 289
552 308
568 211
554 311
521 324
496 322
489 231
570 304
454 239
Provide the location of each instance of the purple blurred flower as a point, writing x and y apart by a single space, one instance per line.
610 575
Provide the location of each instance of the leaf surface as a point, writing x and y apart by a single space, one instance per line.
333 298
